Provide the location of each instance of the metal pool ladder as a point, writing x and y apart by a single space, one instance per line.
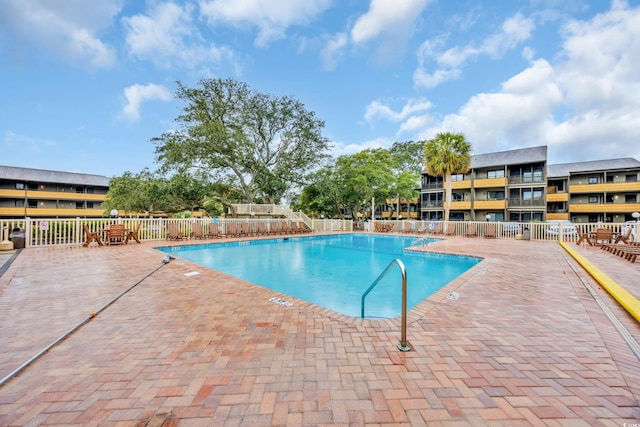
403 346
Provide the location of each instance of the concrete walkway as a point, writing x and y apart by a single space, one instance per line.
526 343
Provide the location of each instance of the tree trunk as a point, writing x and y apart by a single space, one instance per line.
447 196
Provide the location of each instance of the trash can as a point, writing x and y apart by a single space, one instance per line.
17 237
526 234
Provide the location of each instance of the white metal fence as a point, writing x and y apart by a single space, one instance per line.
53 231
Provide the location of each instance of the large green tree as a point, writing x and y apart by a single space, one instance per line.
407 165
447 154
260 144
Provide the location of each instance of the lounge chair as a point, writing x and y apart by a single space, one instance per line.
214 231
173 231
583 237
274 228
451 229
232 229
294 227
472 230
245 229
196 230
490 231
91 236
437 228
133 234
262 229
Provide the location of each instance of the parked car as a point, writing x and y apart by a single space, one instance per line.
568 229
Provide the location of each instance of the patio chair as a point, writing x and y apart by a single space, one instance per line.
133 234
583 237
294 227
624 238
173 231
472 230
490 231
91 236
116 234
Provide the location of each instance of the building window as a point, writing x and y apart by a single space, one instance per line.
593 218
593 180
631 178
593 199
19 186
630 198
19 203
89 205
495 195
33 204
90 190
499 173
457 177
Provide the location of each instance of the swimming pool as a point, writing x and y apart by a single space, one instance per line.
333 271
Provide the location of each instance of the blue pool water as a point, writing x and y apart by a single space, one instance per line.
333 271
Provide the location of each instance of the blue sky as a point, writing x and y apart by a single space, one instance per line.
85 85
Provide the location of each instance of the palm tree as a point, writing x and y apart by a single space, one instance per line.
447 154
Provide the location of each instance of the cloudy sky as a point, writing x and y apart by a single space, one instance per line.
85 85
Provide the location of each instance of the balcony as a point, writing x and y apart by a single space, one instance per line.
460 185
461 206
489 204
557 216
557 197
611 187
604 207
52 195
536 202
490 182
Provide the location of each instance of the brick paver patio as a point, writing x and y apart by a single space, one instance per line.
526 343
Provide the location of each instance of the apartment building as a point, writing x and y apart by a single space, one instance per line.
519 185
596 191
500 186
37 193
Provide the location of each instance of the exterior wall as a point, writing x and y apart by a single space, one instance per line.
525 193
30 198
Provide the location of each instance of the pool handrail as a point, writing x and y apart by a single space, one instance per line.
403 346
424 240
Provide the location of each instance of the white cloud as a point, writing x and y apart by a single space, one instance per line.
272 18
584 106
68 29
342 149
333 50
377 109
387 17
168 37
514 31
137 94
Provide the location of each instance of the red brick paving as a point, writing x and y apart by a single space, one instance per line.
525 344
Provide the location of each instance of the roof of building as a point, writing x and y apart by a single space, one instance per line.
510 157
39 175
565 169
